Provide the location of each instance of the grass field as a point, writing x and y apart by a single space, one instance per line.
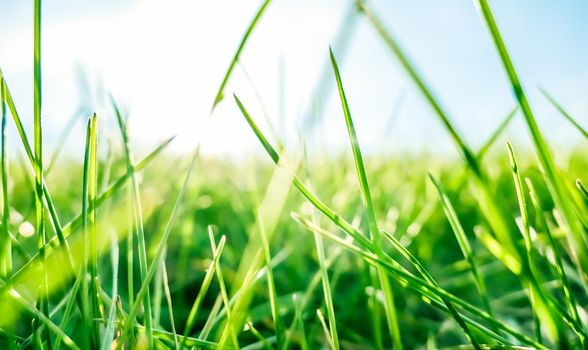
293 250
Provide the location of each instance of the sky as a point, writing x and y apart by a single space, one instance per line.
163 61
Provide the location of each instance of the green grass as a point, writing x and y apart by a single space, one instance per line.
367 252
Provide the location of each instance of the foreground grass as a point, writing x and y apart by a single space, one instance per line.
482 251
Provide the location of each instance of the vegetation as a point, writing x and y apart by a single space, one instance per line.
293 251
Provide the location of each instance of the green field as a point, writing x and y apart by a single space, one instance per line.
290 250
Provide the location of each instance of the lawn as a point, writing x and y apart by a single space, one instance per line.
291 249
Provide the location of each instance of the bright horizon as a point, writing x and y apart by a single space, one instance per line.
164 63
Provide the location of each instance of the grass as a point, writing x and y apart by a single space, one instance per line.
368 252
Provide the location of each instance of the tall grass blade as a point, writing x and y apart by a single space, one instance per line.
561 273
220 93
108 336
5 244
367 200
138 219
201 293
562 198
223 289
492 206
390 309
150 273
464 244
565 114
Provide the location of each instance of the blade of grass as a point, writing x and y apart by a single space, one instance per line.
5 245
367 201
169 304
275 307
90 314
464 244
108 337
150 273
565 114
562 198
201 293
223 289
252 24
561 274
327 293
492 206
138 219
38 138
325 328
528 243
389 307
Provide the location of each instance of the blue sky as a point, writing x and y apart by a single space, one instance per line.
164 61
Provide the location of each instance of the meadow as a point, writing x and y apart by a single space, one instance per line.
292 250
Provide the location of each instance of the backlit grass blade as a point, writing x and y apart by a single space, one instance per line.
90 296
564 113
327 292
565 285
108 336
223 289
325 329
201 293
390 309
563 200
526 228
150 273
38 138
497 132
464 244
28 150
492 205
220 93
324 86
581 188
271 285
5 245
367 201
422 86
138 219
168 298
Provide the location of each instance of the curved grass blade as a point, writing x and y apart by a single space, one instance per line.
564 113
493 206
108 336
5 244
219 94
527 236
88 220
565 285
390 309
562 198
138 219
150 273
201 293
464 244
223 289
367 201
